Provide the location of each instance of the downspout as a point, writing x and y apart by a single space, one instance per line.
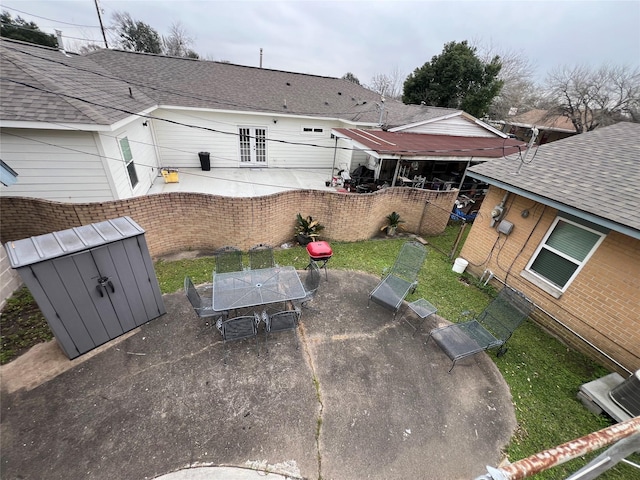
335 152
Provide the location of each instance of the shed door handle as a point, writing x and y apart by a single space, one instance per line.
99 289
110 283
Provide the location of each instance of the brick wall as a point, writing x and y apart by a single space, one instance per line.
601 304
181 221
9 278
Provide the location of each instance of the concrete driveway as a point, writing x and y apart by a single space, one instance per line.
362 397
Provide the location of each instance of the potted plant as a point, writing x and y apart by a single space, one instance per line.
307 229
393 224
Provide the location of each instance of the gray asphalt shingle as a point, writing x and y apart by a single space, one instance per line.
597 172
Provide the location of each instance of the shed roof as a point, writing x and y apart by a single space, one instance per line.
429 145
596 174
57 244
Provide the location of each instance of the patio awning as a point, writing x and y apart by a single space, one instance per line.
422 146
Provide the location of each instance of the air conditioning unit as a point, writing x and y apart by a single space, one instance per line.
627 395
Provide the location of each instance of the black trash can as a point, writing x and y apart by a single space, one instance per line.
205 161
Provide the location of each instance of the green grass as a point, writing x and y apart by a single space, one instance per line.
21 326
543 374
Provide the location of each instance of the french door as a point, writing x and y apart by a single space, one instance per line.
253 146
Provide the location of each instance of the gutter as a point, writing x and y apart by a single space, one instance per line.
581 214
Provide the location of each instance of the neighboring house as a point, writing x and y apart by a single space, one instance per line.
564 228
551 126
100 126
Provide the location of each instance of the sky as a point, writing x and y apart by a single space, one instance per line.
366 38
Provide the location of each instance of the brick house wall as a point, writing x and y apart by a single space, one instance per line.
601 304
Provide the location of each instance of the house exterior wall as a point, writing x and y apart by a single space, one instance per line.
177 222
601 304
141 143
178 145
457 126
59 165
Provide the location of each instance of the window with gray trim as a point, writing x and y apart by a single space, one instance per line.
565 249
128 160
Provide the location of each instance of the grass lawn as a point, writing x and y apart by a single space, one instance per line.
543 374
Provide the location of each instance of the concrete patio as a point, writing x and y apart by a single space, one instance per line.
362 397
243 182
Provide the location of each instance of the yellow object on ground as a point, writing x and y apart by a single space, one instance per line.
170 175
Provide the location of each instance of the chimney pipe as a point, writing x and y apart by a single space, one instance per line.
60 44
261 58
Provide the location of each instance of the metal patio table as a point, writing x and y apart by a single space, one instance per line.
249 288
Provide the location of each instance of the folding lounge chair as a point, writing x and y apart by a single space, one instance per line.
401 279
491 329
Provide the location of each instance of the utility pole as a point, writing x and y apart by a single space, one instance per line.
104 36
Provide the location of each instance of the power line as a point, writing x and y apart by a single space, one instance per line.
168 91
50 19
121 161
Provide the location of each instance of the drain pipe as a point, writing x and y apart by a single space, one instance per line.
563 325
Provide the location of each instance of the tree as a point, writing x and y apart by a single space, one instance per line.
135 35
594 98
178 42
456 78
519 93
388 85
351 77
20 29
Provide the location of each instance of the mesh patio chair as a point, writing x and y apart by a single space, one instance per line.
261 256
238 328
401 279
280 322
311 282
202 307
491 329
228 259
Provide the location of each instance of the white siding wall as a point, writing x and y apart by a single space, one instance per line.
178 145
64 166
144 157
457 126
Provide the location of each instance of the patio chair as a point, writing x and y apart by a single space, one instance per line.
238 328
491 329
311 283
280 322
203 309
401 279
228 259
261 256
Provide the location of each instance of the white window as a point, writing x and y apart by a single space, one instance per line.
128 161
313 130
565 249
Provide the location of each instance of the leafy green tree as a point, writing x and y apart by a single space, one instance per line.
456 78
20 29
351 77
135 35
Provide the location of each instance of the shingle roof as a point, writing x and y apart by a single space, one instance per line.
105 76
421 144
543 119
218 85
596 172
40 83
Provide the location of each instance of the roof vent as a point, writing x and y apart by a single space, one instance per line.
284 105
339 93
288 84
326 103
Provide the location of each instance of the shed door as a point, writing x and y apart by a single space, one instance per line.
97 295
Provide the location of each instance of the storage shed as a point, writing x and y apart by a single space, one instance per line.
93 283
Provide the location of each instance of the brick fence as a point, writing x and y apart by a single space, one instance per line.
191 221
